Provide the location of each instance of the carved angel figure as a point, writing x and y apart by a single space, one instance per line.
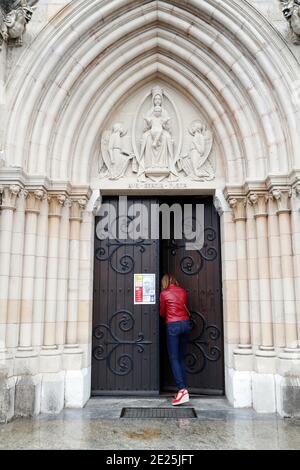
14 16
115 157
196 164
291 12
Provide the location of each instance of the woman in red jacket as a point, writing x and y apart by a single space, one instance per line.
173 308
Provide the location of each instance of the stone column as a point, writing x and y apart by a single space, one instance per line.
63 275
16 271
259 202
276 275
253 281
238 204
56 202
74 259
52 388
40 277
8 206
75 378
282 197
295 203
33 203
263 382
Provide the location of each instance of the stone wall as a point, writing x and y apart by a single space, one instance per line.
81 64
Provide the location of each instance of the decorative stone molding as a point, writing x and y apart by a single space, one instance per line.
291 12
282 198
156 145
9 196
259 202
34 199
238 205
14 16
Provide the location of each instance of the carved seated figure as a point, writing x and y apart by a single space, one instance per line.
157 124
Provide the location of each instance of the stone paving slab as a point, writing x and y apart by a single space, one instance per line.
97 426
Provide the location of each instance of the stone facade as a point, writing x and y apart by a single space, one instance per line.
73 98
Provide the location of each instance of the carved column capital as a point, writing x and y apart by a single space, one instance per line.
34 199
9 196
23 194
259 202
78 205
56 202
238 205
282 199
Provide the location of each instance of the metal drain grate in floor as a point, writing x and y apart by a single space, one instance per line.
155 413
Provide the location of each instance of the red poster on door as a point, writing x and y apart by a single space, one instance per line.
138 295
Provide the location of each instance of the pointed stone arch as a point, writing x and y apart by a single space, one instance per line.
226 56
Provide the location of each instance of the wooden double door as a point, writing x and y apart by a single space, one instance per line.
129 353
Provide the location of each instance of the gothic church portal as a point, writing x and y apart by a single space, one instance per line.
156 100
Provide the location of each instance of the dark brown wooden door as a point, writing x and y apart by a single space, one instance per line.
129 354
199 272
125 344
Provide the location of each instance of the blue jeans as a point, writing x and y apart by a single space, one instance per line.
177 341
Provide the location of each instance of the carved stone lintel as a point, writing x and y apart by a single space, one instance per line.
259 203
9 196
282 198
238 205
34 199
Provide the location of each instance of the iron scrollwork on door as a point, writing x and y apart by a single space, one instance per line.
101 352
203 351
109 248
190 265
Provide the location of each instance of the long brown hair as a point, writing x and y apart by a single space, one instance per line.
167 280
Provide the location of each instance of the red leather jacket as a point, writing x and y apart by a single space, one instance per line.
172 301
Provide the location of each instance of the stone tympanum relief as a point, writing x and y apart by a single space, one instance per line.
291 12
14 16
159 146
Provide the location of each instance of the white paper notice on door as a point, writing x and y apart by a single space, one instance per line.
144 289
